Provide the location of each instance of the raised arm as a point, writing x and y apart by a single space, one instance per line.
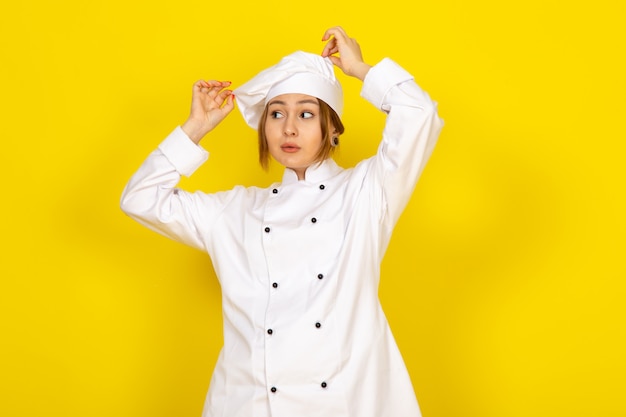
151 197
412 126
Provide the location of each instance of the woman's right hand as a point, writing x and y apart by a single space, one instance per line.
211 102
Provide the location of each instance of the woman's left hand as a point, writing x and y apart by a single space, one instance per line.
350 59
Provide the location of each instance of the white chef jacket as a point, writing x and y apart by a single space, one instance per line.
299 266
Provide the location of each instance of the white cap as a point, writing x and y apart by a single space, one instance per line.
300 72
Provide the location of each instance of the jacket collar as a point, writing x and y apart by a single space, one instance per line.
315 173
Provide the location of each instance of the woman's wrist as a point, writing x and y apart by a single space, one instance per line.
361 70
194 130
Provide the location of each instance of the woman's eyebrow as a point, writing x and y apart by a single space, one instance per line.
309 101
306 101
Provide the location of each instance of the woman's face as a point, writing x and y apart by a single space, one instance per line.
293 131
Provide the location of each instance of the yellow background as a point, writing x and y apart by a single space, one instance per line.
504 282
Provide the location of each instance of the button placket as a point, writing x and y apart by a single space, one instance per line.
273 230
277 224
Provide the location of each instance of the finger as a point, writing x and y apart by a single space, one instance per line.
216 89
206 85
331 51
218 84
198 86
339 41
201 86
334 31
336 61
329 47
230 104
222 97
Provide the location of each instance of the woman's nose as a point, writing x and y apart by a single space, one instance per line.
289 128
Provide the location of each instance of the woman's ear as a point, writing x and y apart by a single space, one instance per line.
334 138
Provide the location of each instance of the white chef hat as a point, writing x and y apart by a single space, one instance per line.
299 72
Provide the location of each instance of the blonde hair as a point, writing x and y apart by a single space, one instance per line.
328 120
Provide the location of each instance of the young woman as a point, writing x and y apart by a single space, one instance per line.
299 262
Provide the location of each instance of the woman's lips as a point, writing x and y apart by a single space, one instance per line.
290 148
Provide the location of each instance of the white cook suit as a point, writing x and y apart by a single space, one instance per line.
299 266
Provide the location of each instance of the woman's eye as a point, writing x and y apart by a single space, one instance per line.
276 115
306 115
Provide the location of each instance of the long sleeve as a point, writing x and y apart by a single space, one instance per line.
152 199
411 131
299 266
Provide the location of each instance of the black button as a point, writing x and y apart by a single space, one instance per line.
322 187
275 285
273 389
267 230
270 331
318 324
313 220
324 384
275 191
320 276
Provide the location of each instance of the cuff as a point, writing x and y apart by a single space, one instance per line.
185 155
380 79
